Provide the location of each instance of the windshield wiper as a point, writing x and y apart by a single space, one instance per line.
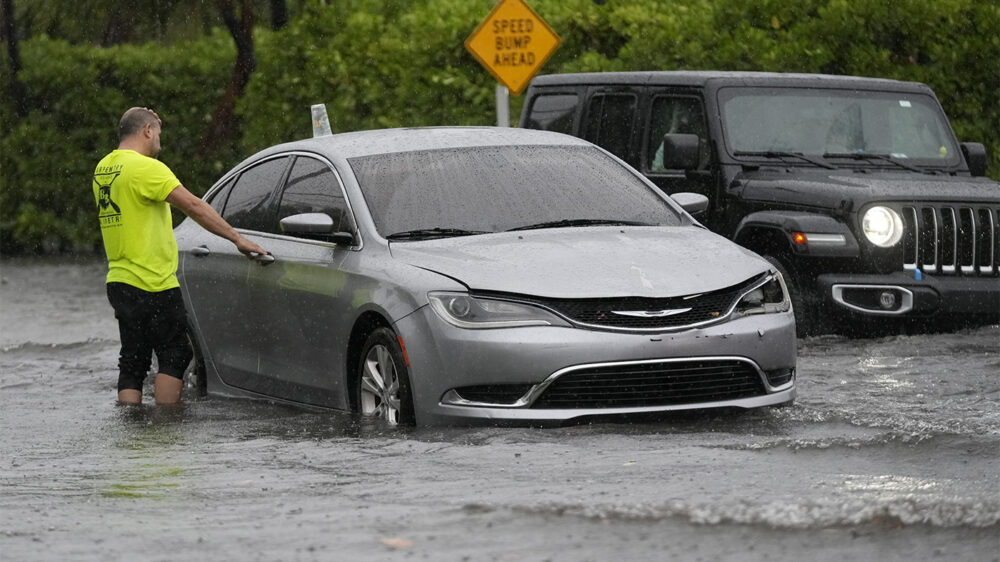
579 222
874 156
783 154
425 233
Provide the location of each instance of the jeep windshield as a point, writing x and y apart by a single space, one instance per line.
839 126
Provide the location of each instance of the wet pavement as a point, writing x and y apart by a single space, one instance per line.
890 453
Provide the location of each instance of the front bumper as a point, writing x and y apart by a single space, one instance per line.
904 295
443 358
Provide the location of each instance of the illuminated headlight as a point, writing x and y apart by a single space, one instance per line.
882 226
768 297
465 311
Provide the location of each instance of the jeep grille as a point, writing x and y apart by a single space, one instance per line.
952 240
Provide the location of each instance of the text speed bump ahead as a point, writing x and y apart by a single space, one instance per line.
513 42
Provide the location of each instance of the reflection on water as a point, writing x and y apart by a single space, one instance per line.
145 437
892 483
912 384
146 415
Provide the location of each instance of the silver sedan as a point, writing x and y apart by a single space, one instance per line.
443 275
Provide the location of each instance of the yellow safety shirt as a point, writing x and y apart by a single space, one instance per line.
130 190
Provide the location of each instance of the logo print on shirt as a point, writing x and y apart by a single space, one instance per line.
108 211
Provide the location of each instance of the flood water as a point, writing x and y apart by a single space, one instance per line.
890 453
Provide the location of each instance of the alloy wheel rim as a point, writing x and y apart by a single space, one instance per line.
380 386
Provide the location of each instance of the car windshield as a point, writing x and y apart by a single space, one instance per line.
835 124
473 190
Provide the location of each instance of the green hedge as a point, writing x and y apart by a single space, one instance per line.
387 64
78 94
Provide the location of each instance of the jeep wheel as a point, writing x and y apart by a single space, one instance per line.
805 303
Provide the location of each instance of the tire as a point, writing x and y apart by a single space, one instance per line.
805 306
382 388
195 376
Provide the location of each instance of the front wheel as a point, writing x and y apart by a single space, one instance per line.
383 383
196 376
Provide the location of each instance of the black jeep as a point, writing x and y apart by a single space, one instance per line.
854 188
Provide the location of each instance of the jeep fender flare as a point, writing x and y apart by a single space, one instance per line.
762 230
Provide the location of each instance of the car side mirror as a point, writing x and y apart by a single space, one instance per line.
318 226
680 151
694 203
975 157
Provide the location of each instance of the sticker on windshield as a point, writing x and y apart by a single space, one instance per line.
904 103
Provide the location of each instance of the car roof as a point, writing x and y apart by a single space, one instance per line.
385 141
701 78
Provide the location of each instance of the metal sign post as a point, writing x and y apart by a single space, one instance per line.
503 106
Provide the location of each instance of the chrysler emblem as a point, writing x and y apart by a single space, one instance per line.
650 313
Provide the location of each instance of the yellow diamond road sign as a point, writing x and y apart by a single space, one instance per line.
513 42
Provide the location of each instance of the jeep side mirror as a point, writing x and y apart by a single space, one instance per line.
680 151
975 157
317 226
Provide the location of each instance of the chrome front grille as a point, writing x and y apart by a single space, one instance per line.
952 240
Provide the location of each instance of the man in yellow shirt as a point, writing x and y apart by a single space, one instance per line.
134 192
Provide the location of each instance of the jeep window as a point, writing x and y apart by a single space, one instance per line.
610 119
675 115
829 122
553 112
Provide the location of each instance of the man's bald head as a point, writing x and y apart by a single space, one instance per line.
135 120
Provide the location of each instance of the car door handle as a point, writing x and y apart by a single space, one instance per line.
200 251
263 259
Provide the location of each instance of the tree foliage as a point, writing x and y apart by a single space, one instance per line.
114 22
387 64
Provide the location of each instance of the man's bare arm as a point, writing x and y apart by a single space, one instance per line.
203 213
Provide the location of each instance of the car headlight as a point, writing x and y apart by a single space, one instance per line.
882 226
465 311
768 297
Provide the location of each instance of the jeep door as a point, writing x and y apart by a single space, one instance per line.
610 121
676 114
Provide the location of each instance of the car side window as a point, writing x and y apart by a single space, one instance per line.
610 121
218 199
675 115
553 112
312 187
250 203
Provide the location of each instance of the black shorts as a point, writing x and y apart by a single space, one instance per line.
148 323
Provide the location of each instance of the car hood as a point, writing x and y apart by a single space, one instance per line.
827 189
588 262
